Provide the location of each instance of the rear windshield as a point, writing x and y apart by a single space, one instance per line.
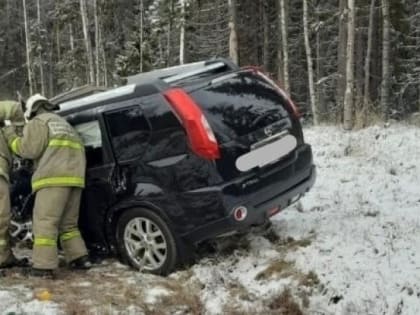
240 105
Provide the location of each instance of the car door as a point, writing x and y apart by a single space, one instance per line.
129 134
102 184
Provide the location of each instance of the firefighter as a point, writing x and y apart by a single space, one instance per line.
59 177
9 110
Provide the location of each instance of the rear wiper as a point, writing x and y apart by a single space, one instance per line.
259 118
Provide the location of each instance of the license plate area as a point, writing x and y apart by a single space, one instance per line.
267 152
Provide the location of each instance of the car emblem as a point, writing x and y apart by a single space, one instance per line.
269 131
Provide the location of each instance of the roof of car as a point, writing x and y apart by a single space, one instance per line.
143 84
76 93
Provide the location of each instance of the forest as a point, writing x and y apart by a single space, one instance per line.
348 61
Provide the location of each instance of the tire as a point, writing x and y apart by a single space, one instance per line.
145 241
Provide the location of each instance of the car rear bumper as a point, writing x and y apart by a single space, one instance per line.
259 209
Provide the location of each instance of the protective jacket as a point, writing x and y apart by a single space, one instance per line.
11 110
5 157
56 149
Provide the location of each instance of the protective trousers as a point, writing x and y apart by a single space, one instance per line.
56 214
5 251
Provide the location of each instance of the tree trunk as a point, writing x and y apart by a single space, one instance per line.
97 44
169 34
284 42
103 53
141 34
41 61
28 48
266 43
50 67
386 47
319 72
86 37
105 70
341 58
71 37
182 35
312 92
58 41
366 94
233 37
279 46
348 96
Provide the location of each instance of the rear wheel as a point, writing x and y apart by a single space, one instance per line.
146 241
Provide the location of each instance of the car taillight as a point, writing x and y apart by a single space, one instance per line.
292 106
200 135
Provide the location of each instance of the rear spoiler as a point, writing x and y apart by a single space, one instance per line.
181 72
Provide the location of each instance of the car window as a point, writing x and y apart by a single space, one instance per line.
129 132
91 135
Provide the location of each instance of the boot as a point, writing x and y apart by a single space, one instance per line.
38 273
13 261
81 263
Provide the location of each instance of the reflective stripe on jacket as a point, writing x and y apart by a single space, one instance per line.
56 149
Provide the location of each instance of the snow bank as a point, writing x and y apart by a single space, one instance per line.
365 213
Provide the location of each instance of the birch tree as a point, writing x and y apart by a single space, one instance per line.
386 47
28 48
182 34
86 37
308 49
284 44
41 61
341 57
141 33
97 43
233 36
348 96
366 93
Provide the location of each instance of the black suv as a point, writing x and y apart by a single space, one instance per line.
178 156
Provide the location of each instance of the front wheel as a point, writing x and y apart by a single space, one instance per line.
146 241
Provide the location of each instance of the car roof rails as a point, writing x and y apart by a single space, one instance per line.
98 97
177 73
77 93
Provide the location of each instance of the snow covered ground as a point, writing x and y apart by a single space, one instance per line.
350 246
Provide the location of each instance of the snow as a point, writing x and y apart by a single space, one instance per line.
18 300
357 231
364 210
155 293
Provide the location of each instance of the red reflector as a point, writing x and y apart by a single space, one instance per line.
240 213
199 133
273 211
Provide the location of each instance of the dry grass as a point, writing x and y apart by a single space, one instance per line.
238 291
79 292
234 310
285 304
279 269
309 280
184 297
291 244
